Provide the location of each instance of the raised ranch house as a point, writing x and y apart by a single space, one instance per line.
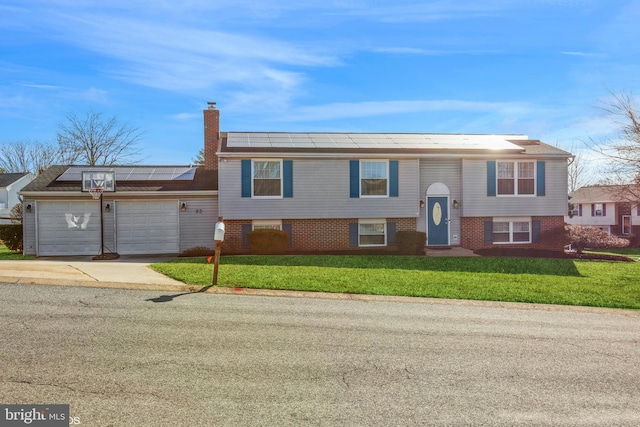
346 191
329 191
605 207
10 186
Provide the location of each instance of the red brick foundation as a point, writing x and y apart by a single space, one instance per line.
552 235
310 235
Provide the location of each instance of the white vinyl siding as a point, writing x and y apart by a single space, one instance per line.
477 203
321 188
197 223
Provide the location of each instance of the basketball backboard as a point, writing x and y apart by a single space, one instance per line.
91 180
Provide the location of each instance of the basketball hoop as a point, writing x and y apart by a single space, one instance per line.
95 192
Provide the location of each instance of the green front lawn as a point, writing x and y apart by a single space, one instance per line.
533 280
7 255
633 253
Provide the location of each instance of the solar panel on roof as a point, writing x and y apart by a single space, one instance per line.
371 140
129 173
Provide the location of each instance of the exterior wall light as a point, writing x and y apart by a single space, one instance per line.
183 207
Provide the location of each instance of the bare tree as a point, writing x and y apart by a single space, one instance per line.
577 172
29 156
94 140
622 149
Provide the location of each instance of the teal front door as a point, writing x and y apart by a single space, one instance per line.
438 221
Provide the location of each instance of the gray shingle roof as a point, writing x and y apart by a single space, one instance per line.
7 179
600 194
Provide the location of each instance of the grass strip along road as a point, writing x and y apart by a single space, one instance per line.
531 280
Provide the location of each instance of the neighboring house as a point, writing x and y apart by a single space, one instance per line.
10 186
153 210
346 191
604 207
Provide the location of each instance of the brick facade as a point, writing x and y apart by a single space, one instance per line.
552 235
309 235
211 136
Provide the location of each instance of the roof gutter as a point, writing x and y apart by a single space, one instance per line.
115 194
501 155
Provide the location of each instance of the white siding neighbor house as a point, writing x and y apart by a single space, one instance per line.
10 186
607 207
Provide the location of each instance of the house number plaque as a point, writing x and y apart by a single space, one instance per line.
436 214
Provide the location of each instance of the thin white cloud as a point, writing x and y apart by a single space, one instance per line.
42 86
345 110
583 54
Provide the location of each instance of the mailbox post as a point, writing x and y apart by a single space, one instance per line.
218 236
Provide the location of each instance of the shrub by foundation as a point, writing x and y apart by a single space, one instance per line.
411 242
197 251
11 235
268 242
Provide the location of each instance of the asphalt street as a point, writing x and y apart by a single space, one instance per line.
152 358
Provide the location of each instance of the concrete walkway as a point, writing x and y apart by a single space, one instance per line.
456 251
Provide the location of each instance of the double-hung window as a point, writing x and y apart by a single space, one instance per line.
372 232
266 224
374 178
505 231
598 209
516 178
267 178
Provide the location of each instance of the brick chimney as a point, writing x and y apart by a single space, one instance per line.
211 136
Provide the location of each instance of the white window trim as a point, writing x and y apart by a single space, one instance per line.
511 220
595 210
515 178
366 196
627 231
253 196
373 221
266 223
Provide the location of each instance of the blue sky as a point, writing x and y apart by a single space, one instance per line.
534 67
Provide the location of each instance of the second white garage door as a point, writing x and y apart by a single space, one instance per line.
147 227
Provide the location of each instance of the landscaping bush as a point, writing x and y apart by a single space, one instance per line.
411 242
197 251
581 237
268 242
11 235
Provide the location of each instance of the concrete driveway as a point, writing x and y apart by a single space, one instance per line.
126 271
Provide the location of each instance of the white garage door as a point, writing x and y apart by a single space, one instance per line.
68 228
147 227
